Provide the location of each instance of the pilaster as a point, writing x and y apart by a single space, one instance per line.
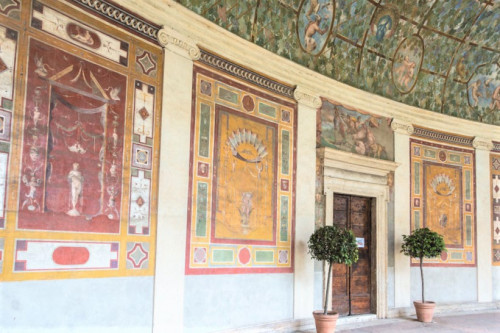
305 204
483 222
402 132
173 192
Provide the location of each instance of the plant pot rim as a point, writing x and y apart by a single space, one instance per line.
426 302
329 313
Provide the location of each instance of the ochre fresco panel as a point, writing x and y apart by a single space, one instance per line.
242 183
245 156
443 199
443 202
79 146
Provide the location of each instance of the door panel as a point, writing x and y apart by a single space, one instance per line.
351 286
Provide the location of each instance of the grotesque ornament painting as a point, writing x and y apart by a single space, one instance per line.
73 144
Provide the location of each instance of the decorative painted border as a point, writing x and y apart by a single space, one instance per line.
425 152
122 17
443 137
245 74
211 90
495 208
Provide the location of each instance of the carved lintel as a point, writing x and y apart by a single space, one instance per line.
402 127
177 43
482 144
306 97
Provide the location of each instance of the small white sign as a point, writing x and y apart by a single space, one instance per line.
360 241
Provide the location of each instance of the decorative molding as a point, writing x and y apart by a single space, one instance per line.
480 143
496 146
245 74
443 137
402 127
121 16
306 97
176 42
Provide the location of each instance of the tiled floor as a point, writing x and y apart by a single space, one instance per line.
446 323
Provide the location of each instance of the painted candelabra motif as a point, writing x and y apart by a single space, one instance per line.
355 131
314 23
73 143
246 172
443 199
78 186
241 211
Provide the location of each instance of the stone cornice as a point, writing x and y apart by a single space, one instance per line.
443 137
402 127
308 98
480 143
496 146
178 43
245 74
125 18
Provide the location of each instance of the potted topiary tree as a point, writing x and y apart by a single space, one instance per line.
423 243
332 245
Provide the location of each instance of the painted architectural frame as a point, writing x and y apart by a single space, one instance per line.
78 146
442 198
241 207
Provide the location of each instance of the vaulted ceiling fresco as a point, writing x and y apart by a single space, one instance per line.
442 56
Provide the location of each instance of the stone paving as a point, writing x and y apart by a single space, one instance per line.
445 323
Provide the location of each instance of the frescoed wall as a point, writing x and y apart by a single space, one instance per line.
352 130
77 170
495 209
443 199
241 213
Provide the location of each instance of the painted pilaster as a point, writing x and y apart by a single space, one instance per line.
305 205
173 180
402 131
483 222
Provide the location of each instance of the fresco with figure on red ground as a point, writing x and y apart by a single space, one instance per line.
73 144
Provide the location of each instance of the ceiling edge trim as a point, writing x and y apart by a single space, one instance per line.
245 74
443 137
126 19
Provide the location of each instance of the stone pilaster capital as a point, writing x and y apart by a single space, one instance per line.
402 127
480 143
307 97
176 42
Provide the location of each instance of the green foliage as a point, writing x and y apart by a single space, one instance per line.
423 243
334 245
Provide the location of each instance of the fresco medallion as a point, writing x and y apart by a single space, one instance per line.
385 23
483 89
314 24
407 63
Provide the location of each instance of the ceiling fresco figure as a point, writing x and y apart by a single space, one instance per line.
315 20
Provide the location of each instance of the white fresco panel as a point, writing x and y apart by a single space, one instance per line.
82 35
41 255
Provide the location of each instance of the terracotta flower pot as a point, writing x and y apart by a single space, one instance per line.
325 323
425 311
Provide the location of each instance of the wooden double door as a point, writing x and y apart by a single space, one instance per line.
352 287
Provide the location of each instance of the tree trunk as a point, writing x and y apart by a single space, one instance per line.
422 278
325 309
